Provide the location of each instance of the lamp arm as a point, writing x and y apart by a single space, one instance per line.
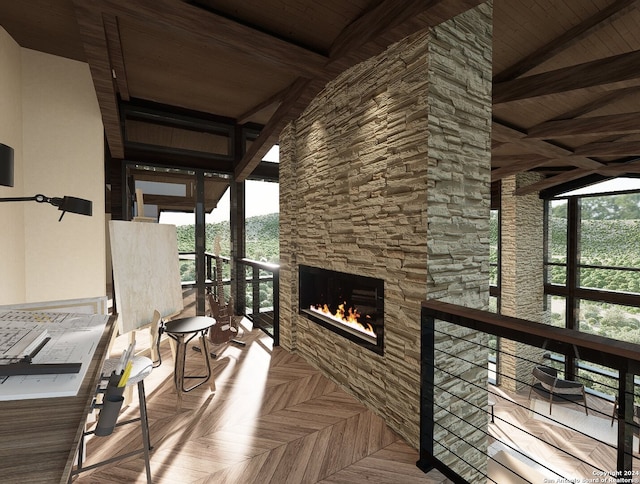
66 204
24 199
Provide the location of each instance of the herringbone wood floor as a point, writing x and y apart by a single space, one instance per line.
273 419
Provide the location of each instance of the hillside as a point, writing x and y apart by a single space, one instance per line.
263 234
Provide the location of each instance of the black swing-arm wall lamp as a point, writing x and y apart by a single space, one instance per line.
66 204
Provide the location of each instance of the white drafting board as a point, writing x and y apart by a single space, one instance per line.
146 272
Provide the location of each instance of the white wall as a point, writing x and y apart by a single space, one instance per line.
12 274
61 153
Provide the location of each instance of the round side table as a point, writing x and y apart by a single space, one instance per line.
182 331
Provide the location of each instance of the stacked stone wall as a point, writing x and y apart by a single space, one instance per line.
386 174
458 206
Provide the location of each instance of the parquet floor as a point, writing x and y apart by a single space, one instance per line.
273 419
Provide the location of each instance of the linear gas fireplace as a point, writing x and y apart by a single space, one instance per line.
347 304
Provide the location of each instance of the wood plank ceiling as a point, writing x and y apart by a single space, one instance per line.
566 85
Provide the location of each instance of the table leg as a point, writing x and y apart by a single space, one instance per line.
205 346
178 374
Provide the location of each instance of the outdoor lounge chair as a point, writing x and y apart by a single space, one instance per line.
547 385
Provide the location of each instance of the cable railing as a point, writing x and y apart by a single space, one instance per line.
526 429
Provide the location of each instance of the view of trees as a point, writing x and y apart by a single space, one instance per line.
609 237
262 237
262 244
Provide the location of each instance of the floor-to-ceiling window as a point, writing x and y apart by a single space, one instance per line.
494 279
197 203
592 271
494 290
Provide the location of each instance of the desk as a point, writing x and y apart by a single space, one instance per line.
182 331
39 437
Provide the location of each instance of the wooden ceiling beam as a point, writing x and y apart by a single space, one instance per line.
553 181
348 51
295 101
209 28
92 33
567 176
606 99
275 99
507 134
376 21
600 19
114 47
610 148
597 125
600 72
517 166
509 159
618 169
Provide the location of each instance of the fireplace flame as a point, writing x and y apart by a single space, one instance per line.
350 317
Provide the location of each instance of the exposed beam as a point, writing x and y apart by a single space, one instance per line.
209 28
506 134
604 100
347 53
597 125
92 33
517 166
611 148
571 37
114 47
609 70
523 159
564 177
294 102
618 169
376 21
275 99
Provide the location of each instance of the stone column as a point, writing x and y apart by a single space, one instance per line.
522 276
458 205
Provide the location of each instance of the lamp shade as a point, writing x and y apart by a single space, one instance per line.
76 205
6 165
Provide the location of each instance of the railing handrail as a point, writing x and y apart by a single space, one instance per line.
206 254
595 348
266 266
612 353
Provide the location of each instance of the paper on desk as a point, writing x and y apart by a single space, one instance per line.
74 338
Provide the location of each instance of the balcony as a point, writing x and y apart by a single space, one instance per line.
477 432
259 288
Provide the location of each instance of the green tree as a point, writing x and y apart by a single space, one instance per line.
611 207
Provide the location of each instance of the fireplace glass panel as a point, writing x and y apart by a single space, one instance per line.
350 305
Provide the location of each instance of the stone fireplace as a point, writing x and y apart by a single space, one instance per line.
350 305
386 175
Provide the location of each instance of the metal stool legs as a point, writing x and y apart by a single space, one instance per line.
179 376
